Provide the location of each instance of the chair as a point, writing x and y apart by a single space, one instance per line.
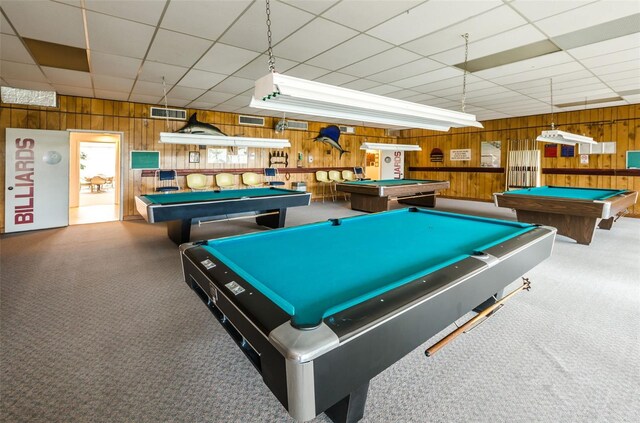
349 176
359 172
323 179
335 177
270 176
166 181
251 179
225 180
197 181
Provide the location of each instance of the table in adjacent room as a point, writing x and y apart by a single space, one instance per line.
575 212
269 206
374 196
319 327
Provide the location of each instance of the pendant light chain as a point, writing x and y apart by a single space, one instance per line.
551 89
272 60
166 106
464 76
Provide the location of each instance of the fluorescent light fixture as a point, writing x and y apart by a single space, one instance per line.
294 95
222 141
561 137
389 147
11 95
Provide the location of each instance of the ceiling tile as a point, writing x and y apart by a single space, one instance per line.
428 77
259 67
201 79
335 78
110 64
13 50
439 88
118 36
250 31
312 39
150 88
313 6
227 108
349 52
73 90
202 105
222 58
608 46
420 98
154 72
350 13
239 101
405 71
536 10
632 54
142 98
112 95
215 97
21 71
234 85
514 38
67 77
476 27
109 83
177 49
437 13
586 16
402 94
186 93
360 84
204 19
548 72
33 19
5 28
307 72
382 89
616 76
540 62
178 102
147 12
544 81
616 67
380 62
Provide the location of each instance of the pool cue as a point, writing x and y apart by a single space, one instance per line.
526 285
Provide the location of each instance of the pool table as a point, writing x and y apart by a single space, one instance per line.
180 209
318 327
375 195
575 212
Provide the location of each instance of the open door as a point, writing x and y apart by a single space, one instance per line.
36 184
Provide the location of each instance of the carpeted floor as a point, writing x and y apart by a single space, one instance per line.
97 325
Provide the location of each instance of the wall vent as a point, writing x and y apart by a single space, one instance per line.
251 120
347 129
298 124
164 113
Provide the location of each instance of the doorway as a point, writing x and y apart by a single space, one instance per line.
94 177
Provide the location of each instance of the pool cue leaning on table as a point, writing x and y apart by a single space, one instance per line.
526 285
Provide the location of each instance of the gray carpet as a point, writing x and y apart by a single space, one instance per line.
98 326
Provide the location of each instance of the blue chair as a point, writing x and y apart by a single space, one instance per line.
166 181
270 177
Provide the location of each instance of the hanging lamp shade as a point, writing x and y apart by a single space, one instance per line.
561 137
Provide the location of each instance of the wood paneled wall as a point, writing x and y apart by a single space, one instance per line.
619 124
141 133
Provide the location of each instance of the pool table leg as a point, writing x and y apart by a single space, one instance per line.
423 199
179 231
606 223
275 220
350 409
580 228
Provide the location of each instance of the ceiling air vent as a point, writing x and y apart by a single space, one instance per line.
347 129
164 113
251 120
297 124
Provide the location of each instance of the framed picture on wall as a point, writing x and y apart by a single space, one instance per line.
194 157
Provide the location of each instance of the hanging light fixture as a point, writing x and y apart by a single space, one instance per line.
295 95
389 147
560 137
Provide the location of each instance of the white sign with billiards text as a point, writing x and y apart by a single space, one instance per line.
36 179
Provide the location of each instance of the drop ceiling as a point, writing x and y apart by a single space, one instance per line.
207 54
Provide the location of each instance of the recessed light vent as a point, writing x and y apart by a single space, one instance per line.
164 113
298 124
347 129
251 120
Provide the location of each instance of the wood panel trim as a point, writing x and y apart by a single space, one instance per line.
238 171
456 169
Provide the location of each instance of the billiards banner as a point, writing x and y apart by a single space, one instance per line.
36 179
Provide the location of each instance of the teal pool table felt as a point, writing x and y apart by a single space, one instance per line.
189 197
568 192
316 270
